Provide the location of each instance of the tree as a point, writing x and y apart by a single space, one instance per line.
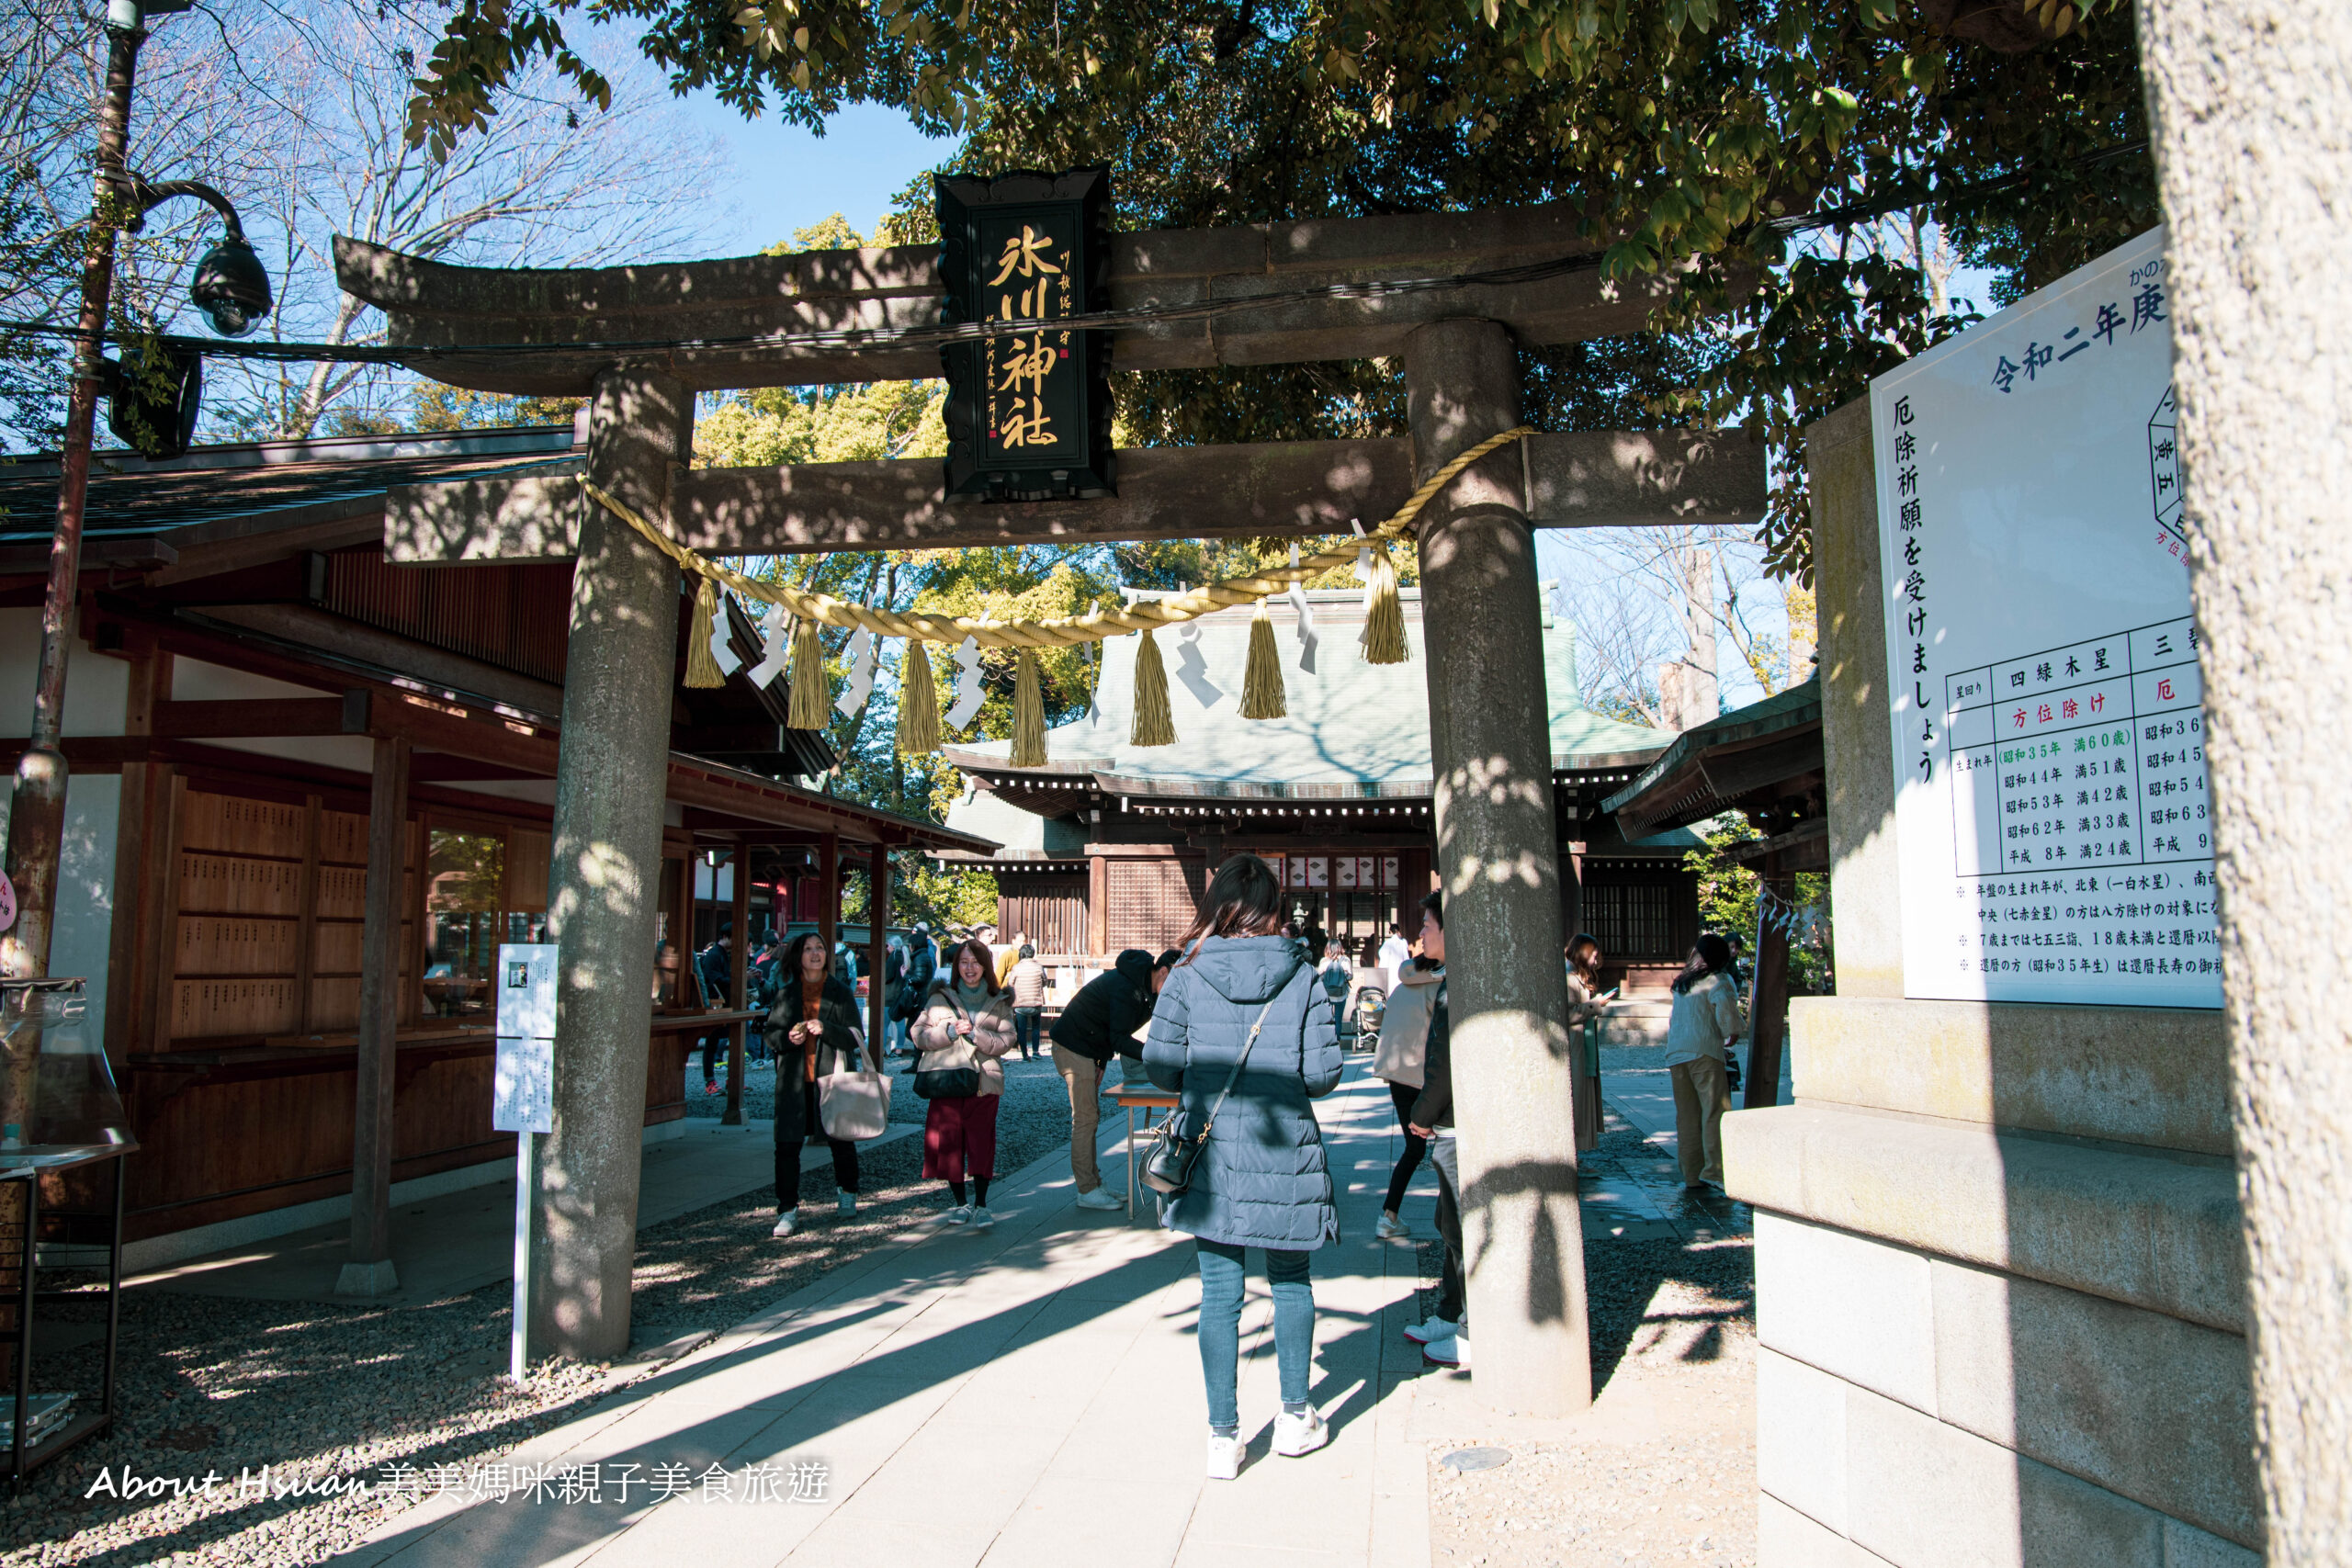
1679 129
1651 606
294 113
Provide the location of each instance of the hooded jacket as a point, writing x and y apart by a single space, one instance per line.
1405 1026
1101 1020
1262 1180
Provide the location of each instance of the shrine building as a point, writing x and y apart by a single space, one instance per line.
266 723
1110 845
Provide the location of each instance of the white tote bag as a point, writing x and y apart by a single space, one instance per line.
854 1106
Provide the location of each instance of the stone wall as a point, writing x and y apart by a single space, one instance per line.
2000 1274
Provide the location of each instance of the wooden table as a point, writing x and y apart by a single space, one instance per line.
1145 1100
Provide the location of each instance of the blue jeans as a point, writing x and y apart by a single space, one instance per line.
1224 1270
1024 1028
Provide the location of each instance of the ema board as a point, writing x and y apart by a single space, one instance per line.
2052 817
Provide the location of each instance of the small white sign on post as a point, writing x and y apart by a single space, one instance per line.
2052 810
523 1095
522 1102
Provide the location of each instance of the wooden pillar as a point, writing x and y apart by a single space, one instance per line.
133 944
878 947
1767 1017
1572 888
1098 909
738 994
1514 1079
369 1271
611 779
828 892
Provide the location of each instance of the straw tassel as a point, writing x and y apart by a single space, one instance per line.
702 667
918 703
812 689
1028 713
1154 724
1262 678
1384 622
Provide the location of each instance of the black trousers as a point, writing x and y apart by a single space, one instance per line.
1402 1096
796 1118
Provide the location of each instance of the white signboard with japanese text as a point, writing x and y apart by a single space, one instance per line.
2051 811
522 1079
521 1097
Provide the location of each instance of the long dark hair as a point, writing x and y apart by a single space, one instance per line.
1584 956
979 950
791 956
1712 956
1244 899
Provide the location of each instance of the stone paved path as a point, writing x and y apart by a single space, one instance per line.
1029 1396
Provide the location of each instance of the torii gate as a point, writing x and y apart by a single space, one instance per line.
1492 765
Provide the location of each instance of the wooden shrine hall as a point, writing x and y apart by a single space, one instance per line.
310 794
1110 845
1449 297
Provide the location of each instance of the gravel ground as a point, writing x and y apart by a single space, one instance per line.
323 1392
1676 1315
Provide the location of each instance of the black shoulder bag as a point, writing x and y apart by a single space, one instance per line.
948 1083
1167 1167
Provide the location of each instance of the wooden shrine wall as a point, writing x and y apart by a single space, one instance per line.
241 1064
1149 902
1645 914
265 927
1050 911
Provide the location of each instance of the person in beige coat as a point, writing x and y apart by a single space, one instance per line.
967 1023
1706 1019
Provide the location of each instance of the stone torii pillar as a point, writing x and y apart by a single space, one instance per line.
1498 866
2250 107
604 887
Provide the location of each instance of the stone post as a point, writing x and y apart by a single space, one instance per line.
2251 110
1514 1073
611 779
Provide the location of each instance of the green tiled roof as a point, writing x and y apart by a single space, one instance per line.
1354 729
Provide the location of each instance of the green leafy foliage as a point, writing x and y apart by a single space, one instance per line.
1683 134
1727 903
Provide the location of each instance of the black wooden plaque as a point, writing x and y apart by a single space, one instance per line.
1028 416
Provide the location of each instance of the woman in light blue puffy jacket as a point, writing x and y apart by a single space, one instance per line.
1261 1179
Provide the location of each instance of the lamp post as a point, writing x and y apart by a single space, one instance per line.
233 291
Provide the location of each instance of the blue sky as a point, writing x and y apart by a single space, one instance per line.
784 177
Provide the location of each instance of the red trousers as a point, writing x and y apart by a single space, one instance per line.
959 1138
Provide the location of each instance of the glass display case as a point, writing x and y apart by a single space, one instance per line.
63 1136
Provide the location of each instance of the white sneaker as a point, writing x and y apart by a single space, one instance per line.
1297 1435
1101 1198
1450 1352
980 1217
961 1215
1225 1458
786 1222
1435 1328
845 1204
1391 1228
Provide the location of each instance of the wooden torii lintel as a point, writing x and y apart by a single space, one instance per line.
1610 479
678 315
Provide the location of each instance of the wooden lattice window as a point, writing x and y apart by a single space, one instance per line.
1151 901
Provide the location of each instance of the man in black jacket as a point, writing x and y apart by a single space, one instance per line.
715 974
1098 1024
1445 1337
